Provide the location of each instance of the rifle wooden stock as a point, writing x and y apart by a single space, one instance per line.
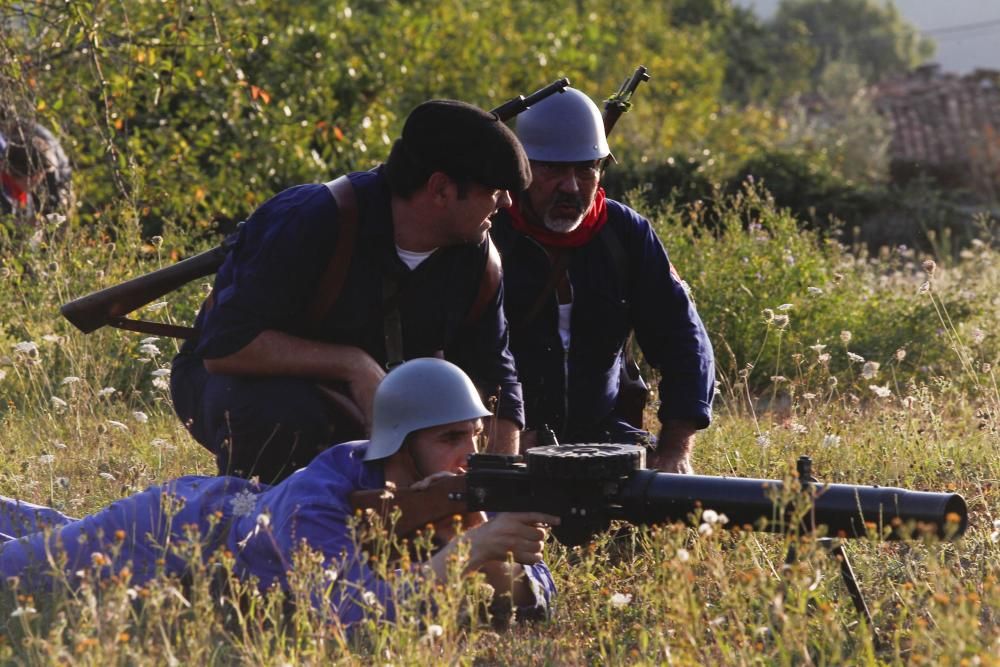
109 306
441 499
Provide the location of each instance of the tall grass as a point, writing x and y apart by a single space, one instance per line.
86 419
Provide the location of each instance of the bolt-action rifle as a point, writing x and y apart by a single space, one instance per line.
588 486
633 392
111 305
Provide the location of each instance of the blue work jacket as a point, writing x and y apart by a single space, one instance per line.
574 391
269 280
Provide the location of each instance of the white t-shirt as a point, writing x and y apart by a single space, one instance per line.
413 259
565 311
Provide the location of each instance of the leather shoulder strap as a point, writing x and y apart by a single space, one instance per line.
489 283
332 282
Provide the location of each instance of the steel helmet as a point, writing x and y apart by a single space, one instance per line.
565 127
418 394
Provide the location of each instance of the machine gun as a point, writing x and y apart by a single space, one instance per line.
588 486
110 306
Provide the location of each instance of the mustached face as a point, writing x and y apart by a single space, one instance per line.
561 193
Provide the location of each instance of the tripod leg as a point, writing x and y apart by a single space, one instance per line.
837 551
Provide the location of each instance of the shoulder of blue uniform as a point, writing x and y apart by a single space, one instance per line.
344 465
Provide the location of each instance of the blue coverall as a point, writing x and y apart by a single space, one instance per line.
574 391
269 426
311 505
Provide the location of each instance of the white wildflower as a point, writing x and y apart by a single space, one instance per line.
881 392
856 358
809 396
683 555
830 440
3 374
106 475
369 598
140 416
161 383
23 611
52 338
823 358
815 291
149 350
924 288
786 306
244 503
264 520
148 340
59 404
845 336
801 429
978 336
764 440
768 315
27 348
330 574
434 631
619 600
908 401
161 443
710 516
781 321
70 379
870 370
47 459
153 307
705 530
107 391
161 372
900 354
59 445
118 425
995 535
817 348
723 519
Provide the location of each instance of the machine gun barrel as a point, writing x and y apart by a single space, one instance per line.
839 510
589 485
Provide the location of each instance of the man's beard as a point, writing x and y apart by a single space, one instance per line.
564 225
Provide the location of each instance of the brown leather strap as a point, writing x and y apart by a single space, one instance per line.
489 283
155 328
332 282
392 322
559 265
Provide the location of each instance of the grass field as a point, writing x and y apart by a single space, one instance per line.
86 420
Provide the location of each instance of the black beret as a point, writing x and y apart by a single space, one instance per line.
467 144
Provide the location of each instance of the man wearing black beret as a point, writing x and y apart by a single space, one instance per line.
329 285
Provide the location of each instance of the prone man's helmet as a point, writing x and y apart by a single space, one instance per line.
419 394
565 127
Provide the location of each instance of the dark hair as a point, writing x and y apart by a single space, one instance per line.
464 142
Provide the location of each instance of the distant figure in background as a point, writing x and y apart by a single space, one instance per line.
35 175
581 272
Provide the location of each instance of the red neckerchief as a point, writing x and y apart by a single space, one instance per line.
14 190
592 223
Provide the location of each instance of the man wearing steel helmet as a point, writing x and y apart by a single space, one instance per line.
427 415
310 308
582 272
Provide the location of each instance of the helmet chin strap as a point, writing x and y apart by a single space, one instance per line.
414 466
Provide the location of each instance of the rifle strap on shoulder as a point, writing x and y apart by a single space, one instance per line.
332 282
488 284
560 264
